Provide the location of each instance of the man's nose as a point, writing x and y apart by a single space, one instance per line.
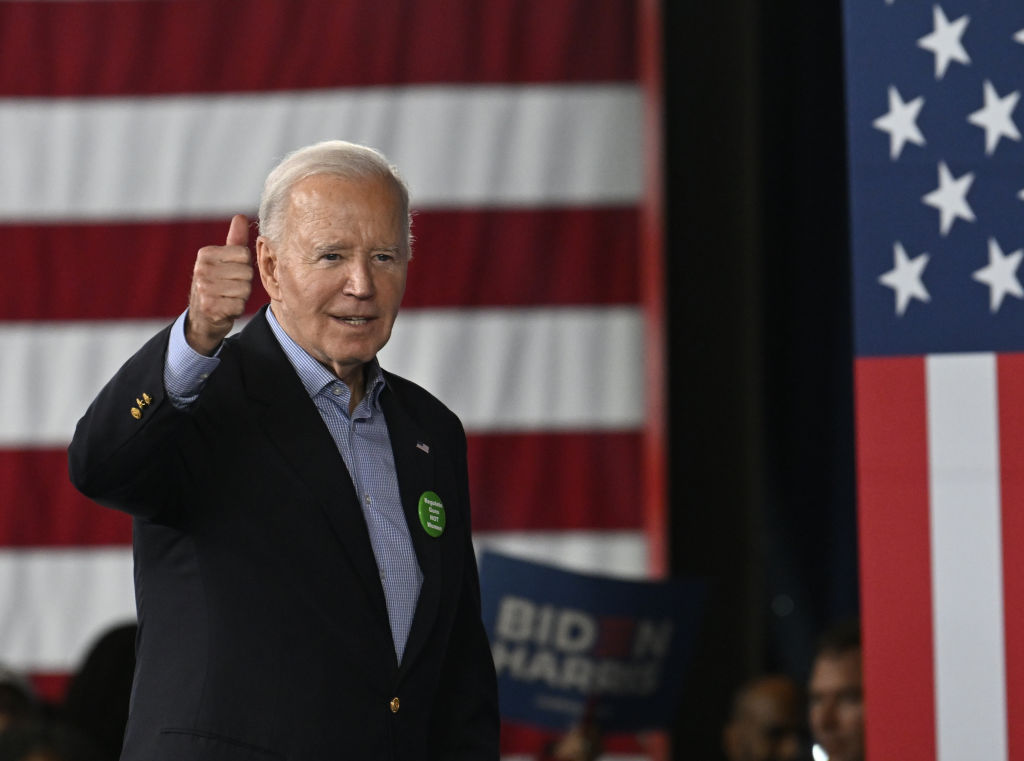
828 713
359 278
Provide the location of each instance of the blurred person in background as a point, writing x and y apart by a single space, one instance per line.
97 700
835 694
766 723
581 743
17 699
47 741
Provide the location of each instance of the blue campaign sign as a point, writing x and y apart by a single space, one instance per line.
569 646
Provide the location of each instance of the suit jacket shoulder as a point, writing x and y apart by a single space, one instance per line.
429 411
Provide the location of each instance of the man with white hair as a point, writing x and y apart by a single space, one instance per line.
305 580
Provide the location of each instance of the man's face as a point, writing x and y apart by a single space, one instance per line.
836 705
337 277
767 726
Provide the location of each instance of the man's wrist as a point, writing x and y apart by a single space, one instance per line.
202 342
186 369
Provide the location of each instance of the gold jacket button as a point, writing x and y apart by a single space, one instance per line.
136 413
395 705
146 399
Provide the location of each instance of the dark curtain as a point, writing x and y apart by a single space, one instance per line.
762 488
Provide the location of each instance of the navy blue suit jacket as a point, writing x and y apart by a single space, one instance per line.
263 627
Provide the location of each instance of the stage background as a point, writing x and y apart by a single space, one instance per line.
528 132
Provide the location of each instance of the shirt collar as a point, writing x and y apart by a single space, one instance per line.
314 376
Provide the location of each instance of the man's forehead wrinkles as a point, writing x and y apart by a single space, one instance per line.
316 215
329 246
340 246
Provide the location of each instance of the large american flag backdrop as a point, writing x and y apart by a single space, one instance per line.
937 180
130 132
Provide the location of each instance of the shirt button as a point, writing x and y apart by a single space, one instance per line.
336 390
395 705
204 376
367 499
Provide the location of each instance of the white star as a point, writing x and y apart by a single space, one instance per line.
950 198
944 41
900 122
1019 37
994 117
905 278
1020 195
1000 275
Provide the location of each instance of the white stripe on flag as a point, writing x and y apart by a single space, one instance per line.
610 553
58 601
527 369
52 371
499 369
967 586
62 599
206 156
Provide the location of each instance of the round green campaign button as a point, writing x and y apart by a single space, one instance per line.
431 513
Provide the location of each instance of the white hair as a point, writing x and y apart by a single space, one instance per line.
338 158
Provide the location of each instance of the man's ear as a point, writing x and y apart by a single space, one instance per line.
267 261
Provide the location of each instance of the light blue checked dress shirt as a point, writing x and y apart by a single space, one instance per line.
364 444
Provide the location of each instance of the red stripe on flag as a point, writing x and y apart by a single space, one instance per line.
526 257
167 46
896 603
1010 370
462 258
50 687
652 278
520 739
552 480
544 481
43 509
95 272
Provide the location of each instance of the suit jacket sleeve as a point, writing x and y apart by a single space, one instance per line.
124 460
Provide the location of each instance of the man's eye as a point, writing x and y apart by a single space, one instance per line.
330 257
383 257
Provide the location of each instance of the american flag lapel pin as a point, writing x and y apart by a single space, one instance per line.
423 447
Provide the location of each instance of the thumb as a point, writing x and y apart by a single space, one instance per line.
238 233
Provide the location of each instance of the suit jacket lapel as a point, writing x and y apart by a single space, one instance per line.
295 428
415 468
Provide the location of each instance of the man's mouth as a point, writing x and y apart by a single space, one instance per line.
353 320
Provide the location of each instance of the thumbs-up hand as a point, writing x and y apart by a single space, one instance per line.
221 284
